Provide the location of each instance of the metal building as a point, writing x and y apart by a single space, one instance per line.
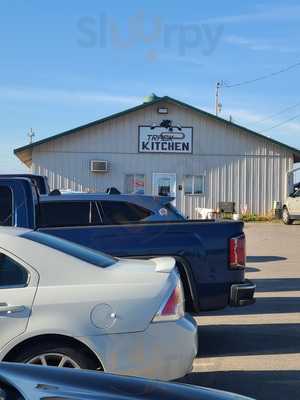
164 146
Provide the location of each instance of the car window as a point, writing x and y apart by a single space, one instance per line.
68 213
297 194
11 273
6 205
72 249
118 212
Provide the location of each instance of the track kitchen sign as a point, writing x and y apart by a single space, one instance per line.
165 138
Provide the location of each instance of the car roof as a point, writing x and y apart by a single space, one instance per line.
13 231
98 196
89 384
21 176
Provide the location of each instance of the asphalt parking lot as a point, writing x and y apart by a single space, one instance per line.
255 350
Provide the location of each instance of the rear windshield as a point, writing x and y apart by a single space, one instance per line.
42 184
122 212
72 249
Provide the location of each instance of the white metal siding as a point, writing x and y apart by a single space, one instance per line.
237 165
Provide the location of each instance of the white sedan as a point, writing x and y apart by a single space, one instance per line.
65 305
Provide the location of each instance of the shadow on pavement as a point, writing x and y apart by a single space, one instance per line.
277 285
263 305
252 269
261 385
261 259
244 340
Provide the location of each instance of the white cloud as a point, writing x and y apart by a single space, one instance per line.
193 61
262 14
245 116
259 44
251 120
64 96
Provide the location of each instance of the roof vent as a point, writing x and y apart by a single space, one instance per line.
150 98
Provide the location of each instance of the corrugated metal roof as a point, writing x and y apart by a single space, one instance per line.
295 151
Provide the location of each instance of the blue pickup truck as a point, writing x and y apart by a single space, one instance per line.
210 255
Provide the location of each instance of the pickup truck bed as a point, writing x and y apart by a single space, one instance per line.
201 248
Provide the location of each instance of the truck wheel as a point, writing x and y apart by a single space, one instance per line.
286 217
56 355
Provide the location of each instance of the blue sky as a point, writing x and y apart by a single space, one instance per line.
67 63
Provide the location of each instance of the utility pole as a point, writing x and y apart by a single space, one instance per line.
31 135
218 105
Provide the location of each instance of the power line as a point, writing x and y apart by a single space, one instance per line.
278 113
263 77
281 123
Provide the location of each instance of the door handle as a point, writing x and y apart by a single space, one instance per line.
9 309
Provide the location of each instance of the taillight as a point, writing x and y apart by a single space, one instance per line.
173 307
237 252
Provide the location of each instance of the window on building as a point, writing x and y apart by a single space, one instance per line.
117 212
194 184
11 273
6 205
67 213
135 183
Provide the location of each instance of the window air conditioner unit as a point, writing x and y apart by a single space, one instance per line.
99 166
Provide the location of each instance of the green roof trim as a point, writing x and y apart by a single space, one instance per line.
156 100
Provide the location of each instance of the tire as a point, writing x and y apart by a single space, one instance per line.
53 354
286 217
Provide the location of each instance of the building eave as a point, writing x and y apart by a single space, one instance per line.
24 153
25 156
90 124
295 151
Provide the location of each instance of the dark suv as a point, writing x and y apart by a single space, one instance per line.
104 209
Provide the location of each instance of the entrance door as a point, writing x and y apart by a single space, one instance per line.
164 185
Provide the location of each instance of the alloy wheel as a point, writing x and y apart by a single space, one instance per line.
54 360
